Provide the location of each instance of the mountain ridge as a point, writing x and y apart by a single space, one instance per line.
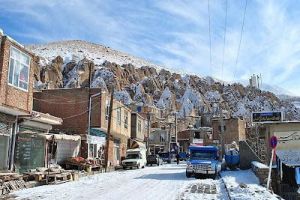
66 64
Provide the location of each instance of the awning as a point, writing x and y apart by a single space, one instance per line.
290 158
98 132
50 136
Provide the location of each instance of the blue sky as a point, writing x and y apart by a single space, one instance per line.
174 33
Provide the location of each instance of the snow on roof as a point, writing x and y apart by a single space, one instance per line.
1 31
289 157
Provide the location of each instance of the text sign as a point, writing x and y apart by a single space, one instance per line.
266 116
273 142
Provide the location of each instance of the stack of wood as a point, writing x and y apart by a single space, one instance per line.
52 175
10 182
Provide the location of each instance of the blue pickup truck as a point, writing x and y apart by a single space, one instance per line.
203 160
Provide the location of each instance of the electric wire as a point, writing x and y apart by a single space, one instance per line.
241 37
224 41
209 32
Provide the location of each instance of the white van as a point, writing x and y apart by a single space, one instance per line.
135 158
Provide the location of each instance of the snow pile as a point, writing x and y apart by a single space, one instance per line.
259 165
165 100
204 189
244 185
123 96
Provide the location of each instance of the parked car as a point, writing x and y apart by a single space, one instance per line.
154 160
166 157
203 161
135 158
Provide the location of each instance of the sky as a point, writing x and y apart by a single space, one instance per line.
175 33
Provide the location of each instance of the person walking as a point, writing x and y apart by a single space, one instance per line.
177 158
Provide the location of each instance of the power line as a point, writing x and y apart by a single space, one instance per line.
72 116
224 42
209 32
61 103
241 37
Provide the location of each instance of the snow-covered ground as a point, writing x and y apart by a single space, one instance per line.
167 182
244 185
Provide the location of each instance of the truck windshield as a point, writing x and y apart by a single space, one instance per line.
196 155
164 155
132 156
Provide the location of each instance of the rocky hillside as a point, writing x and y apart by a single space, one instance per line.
68 64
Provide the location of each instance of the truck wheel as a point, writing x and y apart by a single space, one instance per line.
188 175
124 167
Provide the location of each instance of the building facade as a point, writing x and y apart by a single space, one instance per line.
234 130
74 107
16 85
138 131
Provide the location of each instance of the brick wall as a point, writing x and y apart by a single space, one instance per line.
72 106
9 95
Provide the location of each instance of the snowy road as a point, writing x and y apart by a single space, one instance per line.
166 182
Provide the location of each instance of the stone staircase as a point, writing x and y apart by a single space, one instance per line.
258 145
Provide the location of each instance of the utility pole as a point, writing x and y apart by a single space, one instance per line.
109 127
222 130
89 114
176 139
148 133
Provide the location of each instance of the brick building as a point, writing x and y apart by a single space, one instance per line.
234 130
16 65
16 99
138 131
72 105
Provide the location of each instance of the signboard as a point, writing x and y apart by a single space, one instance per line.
197 142
267 116
273 142
96 140
288 147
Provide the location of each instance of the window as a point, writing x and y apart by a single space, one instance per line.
119 117
107 110
125 119
19 64
139 127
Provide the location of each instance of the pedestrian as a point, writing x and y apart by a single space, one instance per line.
177 158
